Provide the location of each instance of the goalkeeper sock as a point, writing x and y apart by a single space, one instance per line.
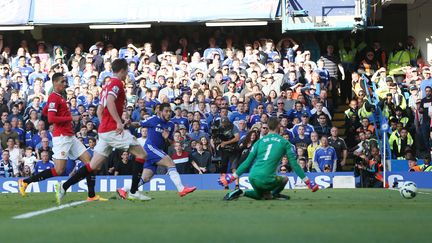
175 178
91 182
252 194
136 174
81 174
48 173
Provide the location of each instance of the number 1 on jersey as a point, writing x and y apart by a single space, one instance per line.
267 151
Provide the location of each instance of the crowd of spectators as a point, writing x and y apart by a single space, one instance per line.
222 94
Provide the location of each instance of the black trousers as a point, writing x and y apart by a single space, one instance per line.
228 157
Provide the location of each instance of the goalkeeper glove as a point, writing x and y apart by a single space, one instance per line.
314 187
226 179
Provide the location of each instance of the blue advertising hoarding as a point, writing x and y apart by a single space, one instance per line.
203 182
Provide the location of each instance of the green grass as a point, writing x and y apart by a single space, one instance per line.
361 215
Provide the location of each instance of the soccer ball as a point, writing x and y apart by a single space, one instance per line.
408 190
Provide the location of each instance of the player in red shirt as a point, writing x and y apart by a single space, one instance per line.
111 132
65 144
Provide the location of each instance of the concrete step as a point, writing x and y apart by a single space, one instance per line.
339 117
338 123
341 108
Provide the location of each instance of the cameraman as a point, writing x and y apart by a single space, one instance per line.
369 169
225 137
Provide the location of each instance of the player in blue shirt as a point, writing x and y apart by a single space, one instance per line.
325 157
160 131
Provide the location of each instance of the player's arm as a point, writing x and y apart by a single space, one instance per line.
293 161
113 112
297 169
99 112
226 179
53 117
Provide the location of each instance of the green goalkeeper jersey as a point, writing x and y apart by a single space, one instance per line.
267 153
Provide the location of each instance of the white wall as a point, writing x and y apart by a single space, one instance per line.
420 25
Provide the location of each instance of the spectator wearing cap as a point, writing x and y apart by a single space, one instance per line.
414 95
304 121
400 117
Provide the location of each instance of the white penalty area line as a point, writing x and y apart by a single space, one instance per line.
427 193
48 210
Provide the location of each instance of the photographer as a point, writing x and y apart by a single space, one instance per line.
225 137
369 169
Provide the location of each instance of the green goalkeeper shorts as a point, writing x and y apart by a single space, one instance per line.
266 184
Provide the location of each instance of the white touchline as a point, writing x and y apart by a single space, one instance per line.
427 193
48 210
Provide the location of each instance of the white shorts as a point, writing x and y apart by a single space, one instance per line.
65 147
109 140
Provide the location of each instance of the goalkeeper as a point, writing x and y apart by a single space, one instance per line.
267 153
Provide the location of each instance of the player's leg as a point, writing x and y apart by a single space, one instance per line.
90 178
280 183
234 160
102 151
167 162
256 192
147 174
60 156
138 166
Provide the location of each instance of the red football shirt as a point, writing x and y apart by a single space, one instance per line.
56 103
115 88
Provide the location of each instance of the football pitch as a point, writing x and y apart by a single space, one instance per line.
331 215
